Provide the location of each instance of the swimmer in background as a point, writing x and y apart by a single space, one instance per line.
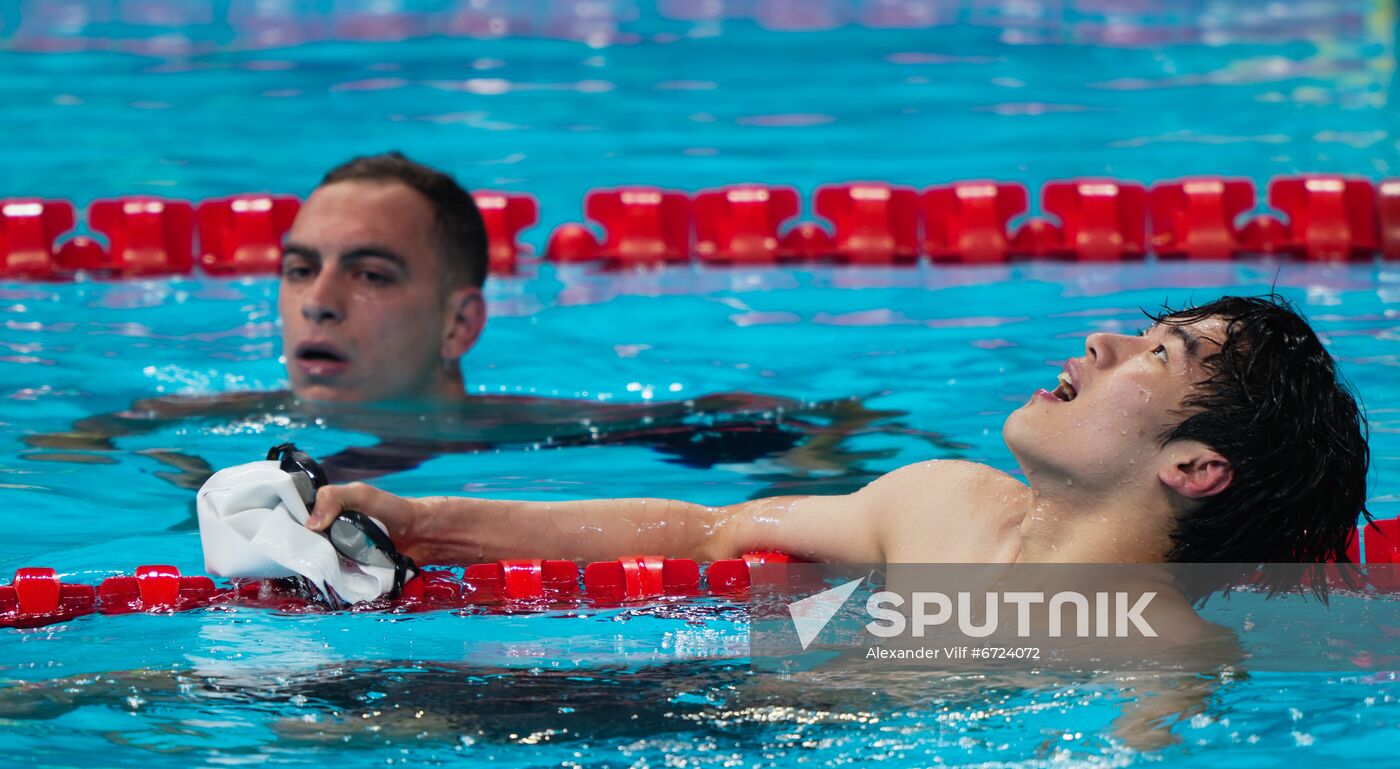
381 297
1221 434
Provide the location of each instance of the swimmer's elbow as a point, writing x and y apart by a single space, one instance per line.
748 527
720 533
811 528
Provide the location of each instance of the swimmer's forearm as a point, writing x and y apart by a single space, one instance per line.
466 530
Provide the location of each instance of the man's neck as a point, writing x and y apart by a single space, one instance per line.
1066 524
443 395
446 392
451 393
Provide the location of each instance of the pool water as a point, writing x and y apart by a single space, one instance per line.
888 366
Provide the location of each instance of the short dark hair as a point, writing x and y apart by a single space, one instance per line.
461 232
1274 405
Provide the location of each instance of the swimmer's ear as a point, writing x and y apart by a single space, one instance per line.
1196 471
462 323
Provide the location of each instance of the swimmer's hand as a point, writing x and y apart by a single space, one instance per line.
408 520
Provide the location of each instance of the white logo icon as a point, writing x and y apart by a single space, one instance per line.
811 614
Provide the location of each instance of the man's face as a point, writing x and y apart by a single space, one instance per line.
366 312
1104 426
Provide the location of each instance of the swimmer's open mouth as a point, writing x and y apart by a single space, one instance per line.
320 352
1065 391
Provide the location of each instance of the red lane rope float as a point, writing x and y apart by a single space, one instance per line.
1195 218
1382 545
1377 542
739 224
641 577
1330 217
155 588
38 597
505 214
967 222
237 235
242 235
28 229
522 580
1388 203
145 235
643 226
1101 220
1318 217
876 223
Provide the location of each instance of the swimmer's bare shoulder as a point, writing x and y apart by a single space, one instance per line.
95 433
212 405
1177 622
940 511
949 511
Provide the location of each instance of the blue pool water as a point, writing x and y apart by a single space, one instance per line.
197 99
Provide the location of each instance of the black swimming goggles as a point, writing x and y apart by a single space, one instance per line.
353 534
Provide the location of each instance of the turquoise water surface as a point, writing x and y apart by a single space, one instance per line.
885 366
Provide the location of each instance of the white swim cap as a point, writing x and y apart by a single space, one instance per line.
249 525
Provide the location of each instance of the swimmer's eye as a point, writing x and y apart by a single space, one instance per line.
1161 352
374 278
297 272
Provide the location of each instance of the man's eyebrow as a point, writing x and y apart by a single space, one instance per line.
1192 343
304 251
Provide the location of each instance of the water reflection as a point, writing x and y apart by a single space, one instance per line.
791 445
183 26
388 703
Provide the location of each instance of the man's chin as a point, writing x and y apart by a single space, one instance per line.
375 393
328 393
1016 421
1020 432
331 394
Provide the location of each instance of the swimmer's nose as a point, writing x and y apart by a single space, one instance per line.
1103 350
322 303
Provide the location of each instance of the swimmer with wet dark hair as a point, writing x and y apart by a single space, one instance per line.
381 298
1221 434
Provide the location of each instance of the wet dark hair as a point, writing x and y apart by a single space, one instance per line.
461 232
1274 406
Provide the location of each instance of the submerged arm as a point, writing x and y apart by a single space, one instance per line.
96 433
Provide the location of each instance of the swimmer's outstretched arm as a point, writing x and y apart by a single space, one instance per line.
467 530
855 527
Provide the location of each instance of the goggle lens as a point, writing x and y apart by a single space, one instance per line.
352 534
